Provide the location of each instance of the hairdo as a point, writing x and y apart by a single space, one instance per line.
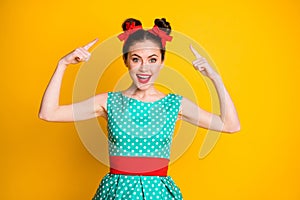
142 35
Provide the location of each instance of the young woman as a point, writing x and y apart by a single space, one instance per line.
140 119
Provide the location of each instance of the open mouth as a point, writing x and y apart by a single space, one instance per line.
143 78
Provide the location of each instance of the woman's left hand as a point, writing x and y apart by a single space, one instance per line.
202 65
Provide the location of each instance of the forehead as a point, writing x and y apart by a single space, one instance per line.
144 48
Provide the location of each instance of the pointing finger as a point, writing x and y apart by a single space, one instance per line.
89 45
195 52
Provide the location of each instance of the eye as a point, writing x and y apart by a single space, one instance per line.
153 60
135 60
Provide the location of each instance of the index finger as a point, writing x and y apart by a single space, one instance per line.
89 45
195 52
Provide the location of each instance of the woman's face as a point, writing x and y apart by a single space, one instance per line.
144 63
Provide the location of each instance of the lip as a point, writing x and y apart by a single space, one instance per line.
143 80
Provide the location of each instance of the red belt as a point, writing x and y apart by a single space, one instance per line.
144 166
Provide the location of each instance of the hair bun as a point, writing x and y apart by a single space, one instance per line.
163 25
130 21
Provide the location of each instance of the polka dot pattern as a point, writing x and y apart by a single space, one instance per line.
138 128
122 187
141 129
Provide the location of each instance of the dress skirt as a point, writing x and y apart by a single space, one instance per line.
136 187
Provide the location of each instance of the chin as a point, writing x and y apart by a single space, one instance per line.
142 86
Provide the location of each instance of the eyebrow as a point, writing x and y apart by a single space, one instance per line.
141 57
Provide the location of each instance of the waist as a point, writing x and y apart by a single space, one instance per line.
144 166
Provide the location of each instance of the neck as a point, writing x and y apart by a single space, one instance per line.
135 91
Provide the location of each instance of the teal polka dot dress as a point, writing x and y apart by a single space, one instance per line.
140 136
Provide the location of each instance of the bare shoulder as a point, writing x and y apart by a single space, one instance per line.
190 107
186 101
101 100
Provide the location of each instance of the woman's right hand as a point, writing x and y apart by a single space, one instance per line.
80 54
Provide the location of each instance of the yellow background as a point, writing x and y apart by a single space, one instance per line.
255 45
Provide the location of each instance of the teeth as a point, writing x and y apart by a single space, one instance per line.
143 77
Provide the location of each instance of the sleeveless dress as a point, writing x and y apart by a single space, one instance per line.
139 135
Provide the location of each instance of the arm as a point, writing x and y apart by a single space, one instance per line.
228 120
50 109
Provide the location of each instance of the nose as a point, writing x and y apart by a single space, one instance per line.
143 67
